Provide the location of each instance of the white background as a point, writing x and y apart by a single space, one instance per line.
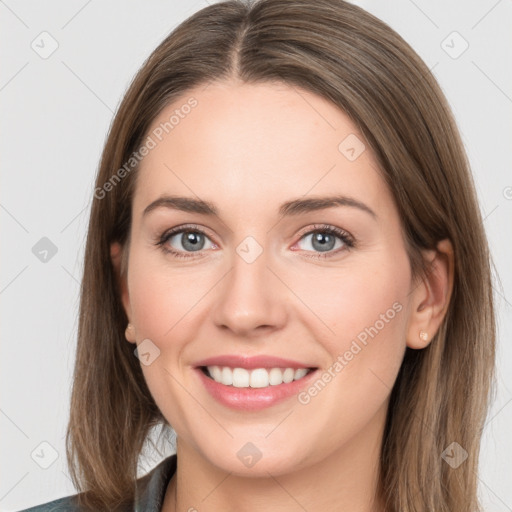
55 113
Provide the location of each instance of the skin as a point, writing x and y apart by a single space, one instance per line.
247 149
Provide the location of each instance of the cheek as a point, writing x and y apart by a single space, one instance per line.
164 300
365 307
162 305
166 305
361 301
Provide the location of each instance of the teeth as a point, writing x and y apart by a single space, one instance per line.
226 377
288 375
275 376
240 378
257 378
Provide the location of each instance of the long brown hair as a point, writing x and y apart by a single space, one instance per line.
344 54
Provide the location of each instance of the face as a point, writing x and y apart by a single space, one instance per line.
271 274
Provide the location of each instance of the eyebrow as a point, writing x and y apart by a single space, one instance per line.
294 207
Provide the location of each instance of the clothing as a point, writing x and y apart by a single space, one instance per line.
149 497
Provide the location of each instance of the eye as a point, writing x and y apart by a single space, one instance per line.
326 238
182 240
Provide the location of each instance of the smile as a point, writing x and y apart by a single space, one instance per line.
254 378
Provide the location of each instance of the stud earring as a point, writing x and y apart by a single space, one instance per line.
128 331
423 335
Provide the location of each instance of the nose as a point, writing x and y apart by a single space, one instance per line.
251 299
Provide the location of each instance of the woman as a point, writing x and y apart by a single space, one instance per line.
286 263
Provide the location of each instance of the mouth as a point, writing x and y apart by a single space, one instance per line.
238 377
253 382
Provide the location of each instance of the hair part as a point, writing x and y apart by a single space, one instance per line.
344 54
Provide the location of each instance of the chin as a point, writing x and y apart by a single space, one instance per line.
254 460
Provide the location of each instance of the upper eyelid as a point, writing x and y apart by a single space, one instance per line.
324 227
187 227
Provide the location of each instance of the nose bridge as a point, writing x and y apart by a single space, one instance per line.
250 297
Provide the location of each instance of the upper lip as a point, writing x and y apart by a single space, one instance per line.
261 361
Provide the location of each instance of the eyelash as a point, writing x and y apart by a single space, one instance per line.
345 237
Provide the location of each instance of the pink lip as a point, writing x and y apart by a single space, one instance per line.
253 399
262 361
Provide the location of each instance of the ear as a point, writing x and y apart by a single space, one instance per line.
116 254
431 296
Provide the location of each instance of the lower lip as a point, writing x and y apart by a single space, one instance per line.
253 399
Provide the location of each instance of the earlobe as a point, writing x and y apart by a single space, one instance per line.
129 333
431 298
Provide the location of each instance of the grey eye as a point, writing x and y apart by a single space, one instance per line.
322 241
191 241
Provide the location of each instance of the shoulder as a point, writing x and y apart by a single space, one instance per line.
150 492
68 503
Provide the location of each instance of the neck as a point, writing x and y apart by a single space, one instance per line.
348 478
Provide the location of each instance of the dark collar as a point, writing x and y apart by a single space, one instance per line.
151 488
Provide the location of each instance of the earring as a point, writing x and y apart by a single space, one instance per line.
128 331
423 335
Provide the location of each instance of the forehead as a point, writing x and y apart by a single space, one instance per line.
256 143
